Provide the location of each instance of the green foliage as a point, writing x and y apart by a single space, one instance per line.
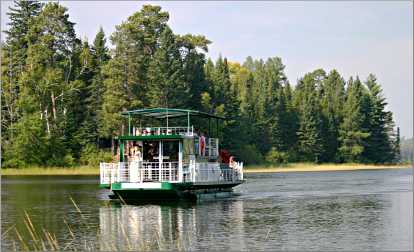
167 86
310 132
352 134
92 156
250 154
379 143
332 97
61 98
277 157
30 144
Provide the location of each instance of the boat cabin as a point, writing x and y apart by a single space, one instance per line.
157 149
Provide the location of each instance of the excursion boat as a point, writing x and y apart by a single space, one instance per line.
170 162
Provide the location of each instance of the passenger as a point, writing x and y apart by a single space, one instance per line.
202 144
131 151
224 156
137 154
231 161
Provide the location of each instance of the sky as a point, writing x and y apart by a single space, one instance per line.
355 38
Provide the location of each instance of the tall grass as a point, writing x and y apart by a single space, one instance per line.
79 170
320 167
40 239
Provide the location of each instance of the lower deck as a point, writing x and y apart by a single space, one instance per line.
169 191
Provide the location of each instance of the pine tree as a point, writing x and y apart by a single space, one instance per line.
21 18
167 86
126 75
86 132
275 104
379 146
92 61
332 100
192 48
99 50
291 123
397 147
352 135
310 144
232 124
14 54
48 77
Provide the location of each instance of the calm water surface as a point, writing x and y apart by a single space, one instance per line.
351 210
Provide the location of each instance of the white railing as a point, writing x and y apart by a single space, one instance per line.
140 172
214 172
151 131
238 166
106 172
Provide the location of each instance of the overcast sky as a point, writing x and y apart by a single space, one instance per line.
356 38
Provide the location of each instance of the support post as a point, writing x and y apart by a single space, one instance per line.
169 168
180 161
167 119
160 160
209 133
129 124
188 122
217 128
121 151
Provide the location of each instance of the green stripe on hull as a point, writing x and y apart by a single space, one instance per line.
171 191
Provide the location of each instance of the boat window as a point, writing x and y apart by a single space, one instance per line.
151 151
170 151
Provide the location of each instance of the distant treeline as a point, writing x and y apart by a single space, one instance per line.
407 150
61 96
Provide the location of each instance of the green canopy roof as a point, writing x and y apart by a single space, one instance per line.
161 113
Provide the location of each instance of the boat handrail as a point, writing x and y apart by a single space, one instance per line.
141 172
148 131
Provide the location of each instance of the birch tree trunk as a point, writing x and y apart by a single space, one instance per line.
53 105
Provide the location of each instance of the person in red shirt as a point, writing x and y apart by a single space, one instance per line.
225 156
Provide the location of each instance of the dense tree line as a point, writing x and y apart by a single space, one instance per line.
61 96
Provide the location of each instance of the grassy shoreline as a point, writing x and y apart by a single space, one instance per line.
293 167
309 167
80 170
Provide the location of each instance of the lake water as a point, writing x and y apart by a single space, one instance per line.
349 210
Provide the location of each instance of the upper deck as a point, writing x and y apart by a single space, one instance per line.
165 115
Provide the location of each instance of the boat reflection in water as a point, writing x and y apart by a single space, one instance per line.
179 226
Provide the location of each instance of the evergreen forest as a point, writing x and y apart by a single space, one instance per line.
62 96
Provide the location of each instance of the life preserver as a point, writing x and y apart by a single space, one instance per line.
202 145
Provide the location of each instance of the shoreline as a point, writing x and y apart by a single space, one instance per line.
55 171
323 167
294 167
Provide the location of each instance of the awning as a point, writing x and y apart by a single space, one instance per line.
161 113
